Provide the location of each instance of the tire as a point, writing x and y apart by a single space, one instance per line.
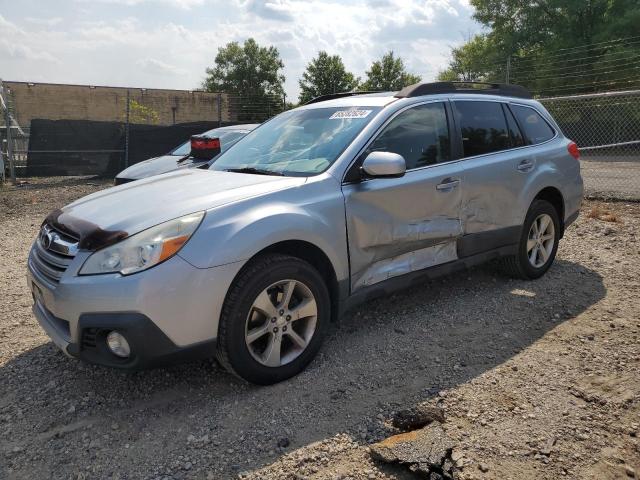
254 316
521 265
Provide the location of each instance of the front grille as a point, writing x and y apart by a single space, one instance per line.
52 253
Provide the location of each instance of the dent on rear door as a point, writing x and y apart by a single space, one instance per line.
397 226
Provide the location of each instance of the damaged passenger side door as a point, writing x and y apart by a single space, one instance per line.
399 225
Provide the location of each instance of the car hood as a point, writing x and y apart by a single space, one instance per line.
135 206
158 165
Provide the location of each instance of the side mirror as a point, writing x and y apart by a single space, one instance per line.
384 165
204 148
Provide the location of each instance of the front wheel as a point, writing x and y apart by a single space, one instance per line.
274 319
538 242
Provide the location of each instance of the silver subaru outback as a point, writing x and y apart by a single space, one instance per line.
346 198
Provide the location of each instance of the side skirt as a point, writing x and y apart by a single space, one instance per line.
392 285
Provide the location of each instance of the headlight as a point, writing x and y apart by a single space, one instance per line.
145 249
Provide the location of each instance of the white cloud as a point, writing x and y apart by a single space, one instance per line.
270 10
185 4
155 66
17 51
8 29
46 22
169 47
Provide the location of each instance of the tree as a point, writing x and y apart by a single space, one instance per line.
388 74
554 47
326 74
475 61
139 113
248 70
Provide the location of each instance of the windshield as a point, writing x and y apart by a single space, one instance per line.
297 142
227 138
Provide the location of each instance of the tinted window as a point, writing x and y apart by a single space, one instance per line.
517 140
420 135
536 129
483 127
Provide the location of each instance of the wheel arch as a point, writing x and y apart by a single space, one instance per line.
555 198
316 257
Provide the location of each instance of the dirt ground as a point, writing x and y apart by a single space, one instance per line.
536 379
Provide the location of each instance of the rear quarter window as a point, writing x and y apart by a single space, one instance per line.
535 128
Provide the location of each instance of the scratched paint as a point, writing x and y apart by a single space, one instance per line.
407 263
397 226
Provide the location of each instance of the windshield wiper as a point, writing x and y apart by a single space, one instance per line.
256 171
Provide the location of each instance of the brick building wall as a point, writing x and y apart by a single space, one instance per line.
84 102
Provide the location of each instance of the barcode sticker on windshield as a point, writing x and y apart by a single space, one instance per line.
350 114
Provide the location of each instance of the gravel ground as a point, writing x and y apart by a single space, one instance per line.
536 379
612 179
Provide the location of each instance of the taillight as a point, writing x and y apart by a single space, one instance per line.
204 148
204 143
574 151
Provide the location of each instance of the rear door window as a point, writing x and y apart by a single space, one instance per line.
483 127
535 128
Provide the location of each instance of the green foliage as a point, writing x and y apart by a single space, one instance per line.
556 47
326 74
476 60
388 74
248 70
139 113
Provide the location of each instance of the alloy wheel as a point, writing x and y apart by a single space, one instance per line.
281 323
541 240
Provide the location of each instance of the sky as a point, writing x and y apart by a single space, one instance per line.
170 43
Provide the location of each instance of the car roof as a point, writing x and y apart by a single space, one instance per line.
244 126
378 99
421 91
388 98
232 128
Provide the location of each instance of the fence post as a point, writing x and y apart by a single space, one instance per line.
126 132
508 73
219 109
7 122
2 154
284 102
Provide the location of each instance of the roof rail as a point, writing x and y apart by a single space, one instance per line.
332 96
419 89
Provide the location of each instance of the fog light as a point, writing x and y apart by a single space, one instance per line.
118 344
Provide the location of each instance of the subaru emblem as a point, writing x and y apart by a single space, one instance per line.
45 239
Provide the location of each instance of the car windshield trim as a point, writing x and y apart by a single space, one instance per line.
301 142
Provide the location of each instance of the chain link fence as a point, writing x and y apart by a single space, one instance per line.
82 130
606 127
253 108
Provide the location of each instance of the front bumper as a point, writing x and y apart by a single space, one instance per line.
150 347
170 311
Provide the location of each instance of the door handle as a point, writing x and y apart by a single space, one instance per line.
448 184
525 166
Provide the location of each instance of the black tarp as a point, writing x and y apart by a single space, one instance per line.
85 147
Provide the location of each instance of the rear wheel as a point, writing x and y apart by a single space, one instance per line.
273 320
538 242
